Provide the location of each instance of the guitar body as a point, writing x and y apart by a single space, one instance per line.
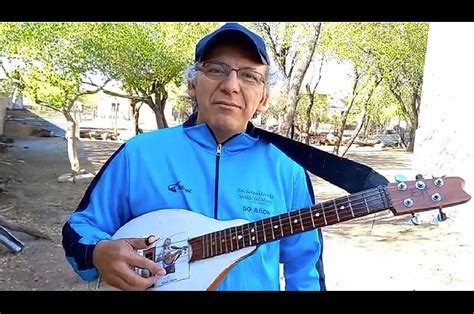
179 225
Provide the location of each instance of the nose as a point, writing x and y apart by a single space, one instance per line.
230 84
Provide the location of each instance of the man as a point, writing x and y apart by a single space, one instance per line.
214 164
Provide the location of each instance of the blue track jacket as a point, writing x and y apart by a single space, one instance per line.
183 167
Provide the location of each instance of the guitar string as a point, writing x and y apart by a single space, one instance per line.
357 199
286 224
266 225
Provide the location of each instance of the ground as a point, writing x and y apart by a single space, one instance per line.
377 252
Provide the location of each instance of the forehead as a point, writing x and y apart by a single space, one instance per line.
234 55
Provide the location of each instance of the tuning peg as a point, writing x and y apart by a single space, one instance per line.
415 219
419 176
400 178
438 181
441 216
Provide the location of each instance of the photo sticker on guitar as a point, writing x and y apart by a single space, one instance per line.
172 253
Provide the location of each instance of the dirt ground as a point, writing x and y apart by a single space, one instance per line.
377 252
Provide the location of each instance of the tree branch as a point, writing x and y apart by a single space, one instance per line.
279 56
40 102
90 83
111 93
7 74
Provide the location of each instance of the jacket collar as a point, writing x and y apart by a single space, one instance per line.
204 136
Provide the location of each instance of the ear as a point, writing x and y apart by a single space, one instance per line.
191 89
262 106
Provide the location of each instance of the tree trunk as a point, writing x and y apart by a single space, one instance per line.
410 113
25 228
72 143
355 133
299 72
135 113
311 93
316 125
158 105
340 130
366 127
414 121
308 116
160 119
360 123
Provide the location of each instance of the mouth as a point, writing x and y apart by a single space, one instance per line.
225 103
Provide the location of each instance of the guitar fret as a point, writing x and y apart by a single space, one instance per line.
243 236
236 238
225 240
203 248
324 214
264 231
311 214
350 206
249 231
210 244
271 224
281 225
301 220
365 201
256 231
220 240
337 212
206 244
230 238
289 220
214 243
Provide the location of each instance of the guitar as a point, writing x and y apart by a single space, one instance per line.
197 251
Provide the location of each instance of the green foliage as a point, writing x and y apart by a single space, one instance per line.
140 54
394 51
286 42
179 97
53 59
319 110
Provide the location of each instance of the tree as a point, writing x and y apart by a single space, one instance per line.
390 52
182 102
55 68
311 91
146 57
368 47
405 80
292 46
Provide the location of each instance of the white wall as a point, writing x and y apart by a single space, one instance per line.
444 140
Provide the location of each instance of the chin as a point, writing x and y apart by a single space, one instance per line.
227 124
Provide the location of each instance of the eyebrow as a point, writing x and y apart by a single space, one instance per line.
222 62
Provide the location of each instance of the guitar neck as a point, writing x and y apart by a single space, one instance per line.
277 227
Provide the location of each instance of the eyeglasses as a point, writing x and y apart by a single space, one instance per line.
220 71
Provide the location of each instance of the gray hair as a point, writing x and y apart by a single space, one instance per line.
272 78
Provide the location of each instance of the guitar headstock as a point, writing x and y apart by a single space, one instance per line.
408 197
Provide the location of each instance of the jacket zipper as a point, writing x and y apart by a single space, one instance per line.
216 189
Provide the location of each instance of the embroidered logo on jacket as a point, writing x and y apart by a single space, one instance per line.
178 187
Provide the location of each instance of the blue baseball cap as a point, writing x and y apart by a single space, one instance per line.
230 31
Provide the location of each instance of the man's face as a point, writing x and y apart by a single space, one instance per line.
227 103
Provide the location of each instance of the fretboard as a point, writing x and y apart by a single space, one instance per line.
277 227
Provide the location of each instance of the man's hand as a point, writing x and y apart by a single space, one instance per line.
115 259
